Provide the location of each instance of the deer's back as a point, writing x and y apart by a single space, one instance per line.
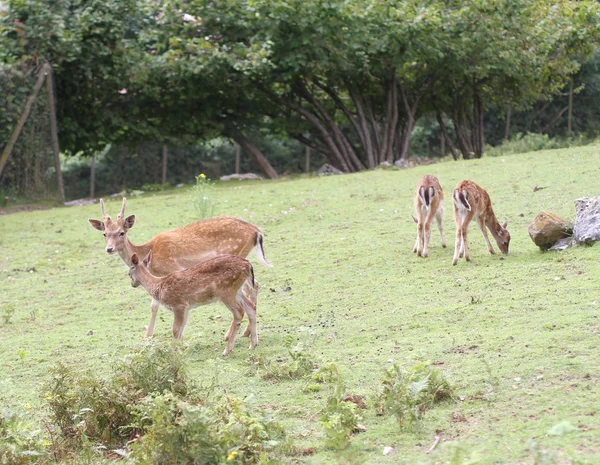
198 242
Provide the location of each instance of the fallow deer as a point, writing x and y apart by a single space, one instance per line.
429 203
473 201
222 278
180 248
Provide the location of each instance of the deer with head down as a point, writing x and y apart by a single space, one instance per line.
429 203
180 248
473 201
221 278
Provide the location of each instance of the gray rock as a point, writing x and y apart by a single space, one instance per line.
327 169
564 243
240 176
587 220
547 228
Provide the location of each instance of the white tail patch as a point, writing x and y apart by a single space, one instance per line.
260 252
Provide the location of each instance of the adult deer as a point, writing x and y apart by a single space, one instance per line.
180 248
473 201
221 278
429 203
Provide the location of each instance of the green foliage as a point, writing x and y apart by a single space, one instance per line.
20 442
88 408
409 393
222 430
339 418
523 143
8 312
203 196
298 364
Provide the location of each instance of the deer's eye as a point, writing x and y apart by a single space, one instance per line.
122 233
104 234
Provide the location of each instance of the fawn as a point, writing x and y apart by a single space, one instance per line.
471 200
223 278
429 202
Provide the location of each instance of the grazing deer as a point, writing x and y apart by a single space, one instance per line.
471 200
180 248
429 202
221 278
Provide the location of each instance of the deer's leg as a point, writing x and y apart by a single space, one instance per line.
465 246
439 218
154 308
485 235
238 313
427 231
250 309
180 319
458 239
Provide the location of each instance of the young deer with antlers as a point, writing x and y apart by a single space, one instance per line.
222 278
180 248
473 201
429 203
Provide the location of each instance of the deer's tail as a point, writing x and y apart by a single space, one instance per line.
260 251
460 198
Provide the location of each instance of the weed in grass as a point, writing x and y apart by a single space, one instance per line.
22 353
298 364
8 312
203 196
407 394
339 418
20 442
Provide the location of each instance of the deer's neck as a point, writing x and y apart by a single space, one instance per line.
140 250
148 281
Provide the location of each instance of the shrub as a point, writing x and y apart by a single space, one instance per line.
221 431
533 142
407 394
339 418
20 444
298 364
203 195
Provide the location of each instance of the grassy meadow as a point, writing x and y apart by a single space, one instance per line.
517 336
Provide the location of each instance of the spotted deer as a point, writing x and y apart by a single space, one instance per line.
222 278
473 201
429 203
180 248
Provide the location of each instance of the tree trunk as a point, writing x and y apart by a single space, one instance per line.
165 157
371 145
445 136
253 151
460 136
507 124
238 156
54 132
570 115
93 177
23 118
307 159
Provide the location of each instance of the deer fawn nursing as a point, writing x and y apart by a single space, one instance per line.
180 248
472 201
429 203
222 278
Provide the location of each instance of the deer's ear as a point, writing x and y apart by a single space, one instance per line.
148 259
134 260
505 223
99 225
129 221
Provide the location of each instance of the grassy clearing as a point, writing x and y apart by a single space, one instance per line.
516 336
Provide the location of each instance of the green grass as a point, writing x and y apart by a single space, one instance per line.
517 336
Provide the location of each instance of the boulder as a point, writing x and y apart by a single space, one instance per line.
547 228
240 177
587 220
326 170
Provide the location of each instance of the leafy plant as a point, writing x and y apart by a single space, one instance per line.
8 312
407 394
20 443
203 194
339 418
298 364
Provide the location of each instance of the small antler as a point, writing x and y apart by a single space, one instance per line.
104 214
122 213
